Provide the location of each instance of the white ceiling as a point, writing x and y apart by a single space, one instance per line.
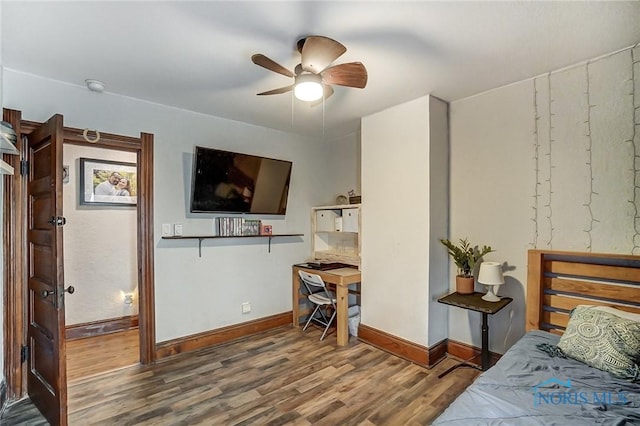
196 55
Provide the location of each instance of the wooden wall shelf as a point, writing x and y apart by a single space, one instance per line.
211 237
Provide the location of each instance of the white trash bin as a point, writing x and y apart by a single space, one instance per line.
354 320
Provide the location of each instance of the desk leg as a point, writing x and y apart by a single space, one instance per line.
295 298
485 342
342 294
484 353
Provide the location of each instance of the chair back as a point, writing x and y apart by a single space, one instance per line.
325 309
314 284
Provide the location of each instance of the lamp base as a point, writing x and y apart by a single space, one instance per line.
491 295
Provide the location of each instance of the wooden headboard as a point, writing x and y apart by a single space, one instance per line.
557 281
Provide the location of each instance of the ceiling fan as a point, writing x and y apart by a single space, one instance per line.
314 75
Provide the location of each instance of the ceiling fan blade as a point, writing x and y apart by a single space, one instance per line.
278 91
270 64
319 52
352 74
328 91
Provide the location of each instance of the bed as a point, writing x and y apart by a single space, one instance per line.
538 381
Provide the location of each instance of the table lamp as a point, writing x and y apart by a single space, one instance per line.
491 276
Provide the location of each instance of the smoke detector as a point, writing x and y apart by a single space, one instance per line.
95 85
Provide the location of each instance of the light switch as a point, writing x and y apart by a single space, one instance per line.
177 229
167 230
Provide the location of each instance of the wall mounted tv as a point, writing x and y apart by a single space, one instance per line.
231 182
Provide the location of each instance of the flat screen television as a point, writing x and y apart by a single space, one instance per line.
230 182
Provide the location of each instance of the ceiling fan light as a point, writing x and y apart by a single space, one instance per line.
308 88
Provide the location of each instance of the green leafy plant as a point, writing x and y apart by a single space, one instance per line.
465 256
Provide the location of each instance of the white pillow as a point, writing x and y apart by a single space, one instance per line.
618 312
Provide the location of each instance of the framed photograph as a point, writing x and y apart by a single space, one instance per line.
108 183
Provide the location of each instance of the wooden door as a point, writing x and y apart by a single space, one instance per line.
46 372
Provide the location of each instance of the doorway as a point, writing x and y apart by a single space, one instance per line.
16 248
100 247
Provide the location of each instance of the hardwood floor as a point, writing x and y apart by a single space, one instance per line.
281 376
115 350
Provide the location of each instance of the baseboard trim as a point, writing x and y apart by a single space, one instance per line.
97 328
418 354
437 353
220 335
464 351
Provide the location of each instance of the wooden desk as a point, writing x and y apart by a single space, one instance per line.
341 278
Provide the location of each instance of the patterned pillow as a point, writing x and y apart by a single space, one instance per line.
603 341
622 314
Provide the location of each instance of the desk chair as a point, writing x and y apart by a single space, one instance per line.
322 298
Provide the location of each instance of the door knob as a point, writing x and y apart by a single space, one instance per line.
58 221
46 293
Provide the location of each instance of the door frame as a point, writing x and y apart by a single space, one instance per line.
15 249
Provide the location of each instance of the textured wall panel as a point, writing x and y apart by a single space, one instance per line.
586 194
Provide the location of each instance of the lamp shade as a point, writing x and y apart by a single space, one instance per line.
308 87
490 273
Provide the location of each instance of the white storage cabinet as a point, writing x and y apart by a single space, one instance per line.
336 233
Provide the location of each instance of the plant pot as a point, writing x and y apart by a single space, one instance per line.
464 285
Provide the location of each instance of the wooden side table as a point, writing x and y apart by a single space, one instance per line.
474 302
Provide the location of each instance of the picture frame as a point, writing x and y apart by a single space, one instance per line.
108 183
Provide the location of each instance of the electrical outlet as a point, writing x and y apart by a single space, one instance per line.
246 307
177 229
167 230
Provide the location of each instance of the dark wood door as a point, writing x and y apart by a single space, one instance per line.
47 368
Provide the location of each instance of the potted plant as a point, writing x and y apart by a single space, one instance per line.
465 256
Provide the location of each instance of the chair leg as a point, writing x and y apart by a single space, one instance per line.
311 317
328 325
322 312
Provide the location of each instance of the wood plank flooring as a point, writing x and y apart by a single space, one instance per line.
93 355
278 377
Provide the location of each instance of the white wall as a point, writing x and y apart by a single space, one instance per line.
398 165
100 249
196 294
546 163
438 217
344 171
518 163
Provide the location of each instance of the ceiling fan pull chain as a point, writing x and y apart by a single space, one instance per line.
323 100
